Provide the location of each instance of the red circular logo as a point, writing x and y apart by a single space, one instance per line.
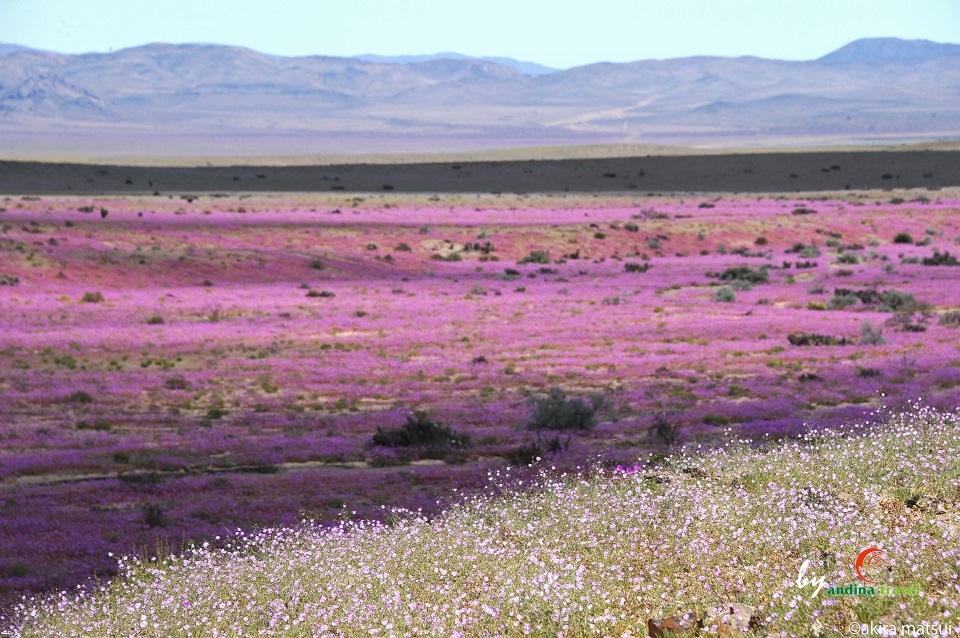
870 557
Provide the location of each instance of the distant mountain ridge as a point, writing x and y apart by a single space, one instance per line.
194 98
875 51
529 68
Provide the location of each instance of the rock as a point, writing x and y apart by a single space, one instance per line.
679 625
728 620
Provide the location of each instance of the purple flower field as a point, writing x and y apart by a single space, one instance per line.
172 369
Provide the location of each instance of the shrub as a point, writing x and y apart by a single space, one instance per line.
316 264
746 274
403 247
902 238
893 300
761 241
940 259
848 258
839 301
536 257
809 252
320 293
526 454
100 425
420 431
715 420
80 397
9 280
217 412
153 515
871 336
176 382
950 319
812 339
663 430
556 412
155 320
635 267
631 227
803 211
724 294
912 317
91 297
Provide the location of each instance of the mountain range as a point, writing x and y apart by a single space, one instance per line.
190 99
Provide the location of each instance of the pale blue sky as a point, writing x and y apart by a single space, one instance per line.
555 33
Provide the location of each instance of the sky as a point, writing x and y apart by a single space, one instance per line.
557 33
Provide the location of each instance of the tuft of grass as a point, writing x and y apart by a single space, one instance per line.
598 553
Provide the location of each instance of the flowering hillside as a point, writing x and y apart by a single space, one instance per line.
588 555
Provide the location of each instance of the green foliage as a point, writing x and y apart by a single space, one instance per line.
746 274
940 259
556 412
217 412
725 294
812 339
902 238
848 258
92 297
100 425
895 300
536 257
871 336
839 301
950 319
526 454
420 431
80 397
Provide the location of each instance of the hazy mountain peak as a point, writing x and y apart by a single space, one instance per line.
528 68
877 51
6 49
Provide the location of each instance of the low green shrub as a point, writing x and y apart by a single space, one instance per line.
420 431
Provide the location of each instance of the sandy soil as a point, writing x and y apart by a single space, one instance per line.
661 170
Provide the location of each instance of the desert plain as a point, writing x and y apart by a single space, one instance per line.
185 351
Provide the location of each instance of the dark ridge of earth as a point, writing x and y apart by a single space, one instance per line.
742 172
